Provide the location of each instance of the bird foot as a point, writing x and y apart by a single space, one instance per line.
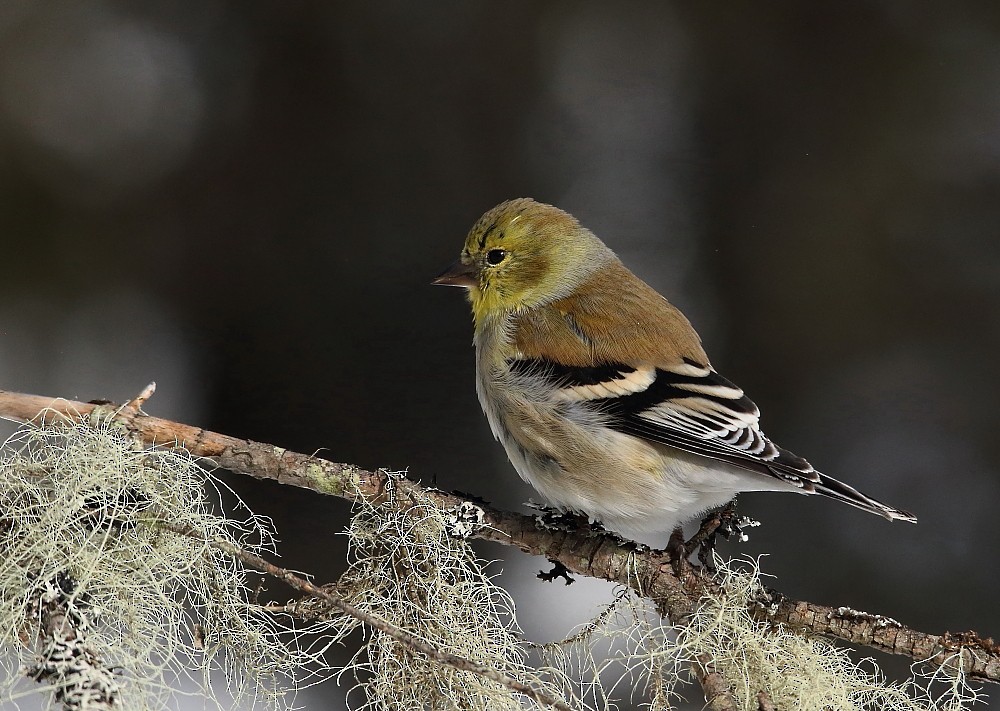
724 522
677 551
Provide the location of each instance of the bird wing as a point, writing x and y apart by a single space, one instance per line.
688 406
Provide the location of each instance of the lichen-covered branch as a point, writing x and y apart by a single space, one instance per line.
402 636
605 556
66 662
980 656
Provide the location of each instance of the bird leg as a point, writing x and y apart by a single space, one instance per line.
677 551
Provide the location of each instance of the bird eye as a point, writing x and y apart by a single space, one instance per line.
495 256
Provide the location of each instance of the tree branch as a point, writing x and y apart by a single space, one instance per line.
599 555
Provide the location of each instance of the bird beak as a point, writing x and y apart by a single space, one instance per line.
458 274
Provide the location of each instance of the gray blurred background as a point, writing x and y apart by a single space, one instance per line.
245 201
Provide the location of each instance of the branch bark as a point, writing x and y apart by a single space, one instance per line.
605 556
718 695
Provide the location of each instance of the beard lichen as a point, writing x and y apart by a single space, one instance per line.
100 606
629 646
407 567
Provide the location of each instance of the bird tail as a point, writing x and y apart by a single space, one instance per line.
827 486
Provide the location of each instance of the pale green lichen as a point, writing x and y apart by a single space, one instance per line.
80 511
796 670
407 569
322 478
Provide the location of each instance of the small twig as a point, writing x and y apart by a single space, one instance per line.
401 636
136 403
290 609
718 694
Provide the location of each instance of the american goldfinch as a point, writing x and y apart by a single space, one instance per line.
599 389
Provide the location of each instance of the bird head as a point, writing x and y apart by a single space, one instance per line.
523 254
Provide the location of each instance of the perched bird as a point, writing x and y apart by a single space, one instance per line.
599 389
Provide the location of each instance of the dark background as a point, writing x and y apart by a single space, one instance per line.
246 201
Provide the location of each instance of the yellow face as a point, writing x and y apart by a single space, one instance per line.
519 254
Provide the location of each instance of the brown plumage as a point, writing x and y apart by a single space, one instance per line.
617 318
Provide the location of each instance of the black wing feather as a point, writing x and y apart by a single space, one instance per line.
695 410
686 411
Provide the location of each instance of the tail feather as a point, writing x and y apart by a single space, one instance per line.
828 486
